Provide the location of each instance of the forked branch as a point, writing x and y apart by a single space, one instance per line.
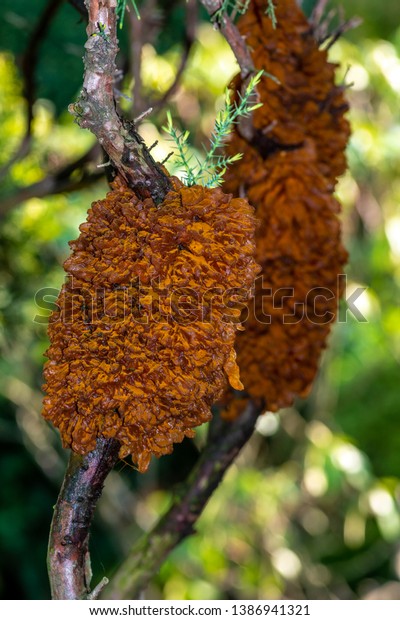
68 560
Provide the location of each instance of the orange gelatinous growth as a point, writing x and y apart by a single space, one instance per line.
142 341
298 91
288 172
299 248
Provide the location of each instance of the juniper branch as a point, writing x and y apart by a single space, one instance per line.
231 113
210 172
121 8
182 154
231 8
270 11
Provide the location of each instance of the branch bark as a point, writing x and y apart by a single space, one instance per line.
242 54
233 37
68 553
146 557
95 109
68 558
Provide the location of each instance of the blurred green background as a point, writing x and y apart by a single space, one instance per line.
311 510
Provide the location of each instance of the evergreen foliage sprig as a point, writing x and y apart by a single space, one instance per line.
120 11
230 7
183 157
211 170
270 11
239 7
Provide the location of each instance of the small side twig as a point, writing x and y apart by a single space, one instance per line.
190 34
318 12
143 115
321 24
350 24
68 553
148 554
95 593
62 180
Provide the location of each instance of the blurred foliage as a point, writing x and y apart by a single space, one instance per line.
59 71
312 507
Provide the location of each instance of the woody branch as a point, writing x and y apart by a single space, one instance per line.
95 108
68 553
68 559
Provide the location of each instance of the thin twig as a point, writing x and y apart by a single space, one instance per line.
149 553
68 553
95 593
60 181
143 115
317 13
79 5
350 24
136 45
28 67
190 34
321 24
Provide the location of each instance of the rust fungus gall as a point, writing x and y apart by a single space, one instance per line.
142 341
288 172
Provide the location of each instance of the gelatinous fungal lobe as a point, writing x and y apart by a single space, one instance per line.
299 249
298 91
288 173
142 341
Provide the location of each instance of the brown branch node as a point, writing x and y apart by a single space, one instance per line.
95 108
